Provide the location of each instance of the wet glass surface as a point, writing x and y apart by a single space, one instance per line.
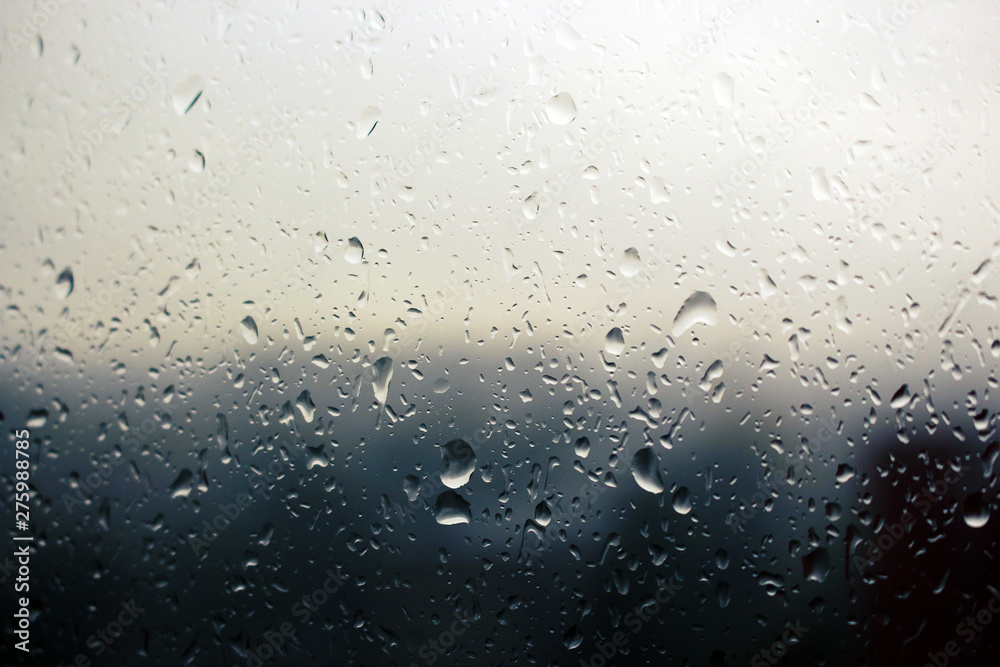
500 334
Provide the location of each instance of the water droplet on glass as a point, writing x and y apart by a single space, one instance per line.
682 500
816 565
305 406
458 462
724 594
64 284
186 93
561 109
975 511
614 342
354 252
724 88
646 470
411 487
452 509
699 308
573 638
182 486
543 514
631 263
582 447
249 329
369 119
381 376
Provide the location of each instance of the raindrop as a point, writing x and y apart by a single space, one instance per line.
182 486
975 511
64 284
724 594
816 565
561 109
305 406
354 252
682 500
411 487
582 447
699 308
724 88
452 509
369 119
573 638
249 328
458 462
614 342
543 514
382 375
186 93
630 263
646 470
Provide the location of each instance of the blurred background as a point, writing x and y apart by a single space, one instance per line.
497 333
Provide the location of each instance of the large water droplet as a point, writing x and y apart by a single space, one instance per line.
411 487
582 447
369 119
614 342
452 509
561 109
573 638
543 514
699 308
682 500
183 485
305 406
381 376
816 565
458 462
354 252
64 284
975 510
646 470
249 328
724 88
186 93
724 594
631 263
